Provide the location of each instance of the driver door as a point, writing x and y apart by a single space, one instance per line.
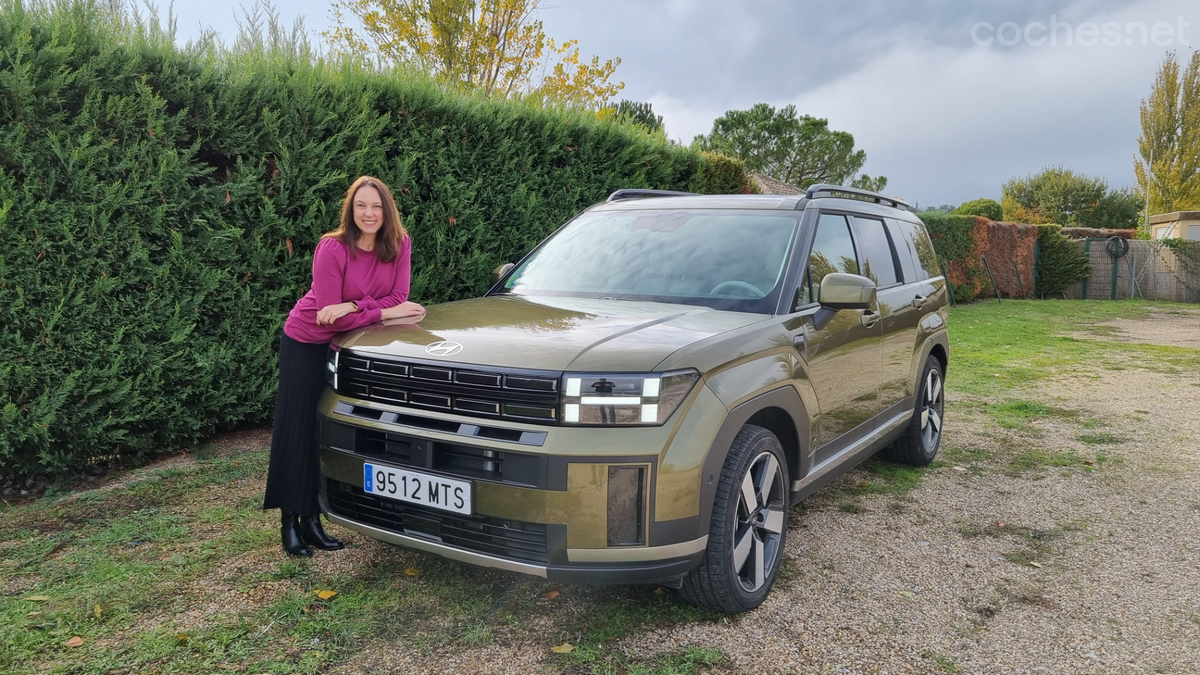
845 356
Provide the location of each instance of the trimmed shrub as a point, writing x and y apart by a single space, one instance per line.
1060 263
721 175
954 240
159 209
988 208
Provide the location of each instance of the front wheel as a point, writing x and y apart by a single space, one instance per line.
748 527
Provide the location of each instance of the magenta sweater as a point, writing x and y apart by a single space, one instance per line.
337 277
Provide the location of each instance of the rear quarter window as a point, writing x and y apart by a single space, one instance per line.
913 237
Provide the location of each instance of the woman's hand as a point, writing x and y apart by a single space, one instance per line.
403 309
332 313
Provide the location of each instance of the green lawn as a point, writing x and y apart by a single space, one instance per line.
178 571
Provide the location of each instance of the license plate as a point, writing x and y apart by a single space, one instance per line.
415 487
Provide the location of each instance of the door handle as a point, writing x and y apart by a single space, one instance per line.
919 301
868 318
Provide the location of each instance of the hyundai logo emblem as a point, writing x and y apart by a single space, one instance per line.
443 348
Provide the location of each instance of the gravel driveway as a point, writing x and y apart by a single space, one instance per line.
1067 545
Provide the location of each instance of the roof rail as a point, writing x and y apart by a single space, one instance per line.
857 193
639 193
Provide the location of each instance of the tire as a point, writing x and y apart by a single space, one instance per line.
919 444
748 528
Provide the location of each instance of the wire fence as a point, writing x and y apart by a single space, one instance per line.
1148 270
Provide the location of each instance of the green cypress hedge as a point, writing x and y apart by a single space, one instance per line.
954 240
158 212
1060 262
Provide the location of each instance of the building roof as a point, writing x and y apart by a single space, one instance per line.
772 186
1175 216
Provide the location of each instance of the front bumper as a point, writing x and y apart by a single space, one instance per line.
670 565
547 517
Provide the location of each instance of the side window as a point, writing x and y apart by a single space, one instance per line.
832 251
877 252
904 251
914 235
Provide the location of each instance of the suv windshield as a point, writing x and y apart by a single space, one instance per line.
731 260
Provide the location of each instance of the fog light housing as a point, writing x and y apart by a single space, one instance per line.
626 505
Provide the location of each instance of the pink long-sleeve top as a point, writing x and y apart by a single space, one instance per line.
340 277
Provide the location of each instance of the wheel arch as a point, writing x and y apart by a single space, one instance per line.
783 413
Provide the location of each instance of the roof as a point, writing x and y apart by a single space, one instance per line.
1175 216
704 202
772 186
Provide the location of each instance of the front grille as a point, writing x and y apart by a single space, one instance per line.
461 461
525 396
492 536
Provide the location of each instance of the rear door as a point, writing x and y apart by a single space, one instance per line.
897 292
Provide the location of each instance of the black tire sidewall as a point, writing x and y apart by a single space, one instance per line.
931 364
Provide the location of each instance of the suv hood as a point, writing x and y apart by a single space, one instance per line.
550 333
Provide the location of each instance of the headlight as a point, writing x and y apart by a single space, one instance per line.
606 399
331 367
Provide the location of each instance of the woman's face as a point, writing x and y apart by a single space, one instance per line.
368 210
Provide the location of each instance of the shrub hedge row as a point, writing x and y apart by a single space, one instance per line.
159 208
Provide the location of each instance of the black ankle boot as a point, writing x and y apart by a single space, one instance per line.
293 542
314 535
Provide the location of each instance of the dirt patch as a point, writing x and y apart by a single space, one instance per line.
1177 328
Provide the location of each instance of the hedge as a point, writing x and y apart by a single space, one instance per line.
963 241
159 208
1060 262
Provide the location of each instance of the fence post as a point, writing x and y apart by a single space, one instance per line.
949 286
1113 295
1087 250
1017 269
988 267
1037 255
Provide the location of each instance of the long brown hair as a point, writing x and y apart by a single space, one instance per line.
391 232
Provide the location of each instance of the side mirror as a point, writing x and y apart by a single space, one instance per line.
846 291
499 272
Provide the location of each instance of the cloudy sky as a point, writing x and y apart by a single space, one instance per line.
949 99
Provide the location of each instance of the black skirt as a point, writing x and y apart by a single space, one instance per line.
293 475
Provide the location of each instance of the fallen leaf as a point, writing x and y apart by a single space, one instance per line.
412 571
907 594
304 609
38 598
96 611
960 468
325 595
182 637
660 591
33 614
75 642
1034 564
564 648
550 595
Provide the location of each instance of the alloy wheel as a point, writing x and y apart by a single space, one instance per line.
931 409
760 522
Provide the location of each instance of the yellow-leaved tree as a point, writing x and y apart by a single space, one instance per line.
1168 166
495 47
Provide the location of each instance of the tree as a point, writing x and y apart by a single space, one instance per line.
799 150
1058 195
988 208
636 113
495 47
1168 171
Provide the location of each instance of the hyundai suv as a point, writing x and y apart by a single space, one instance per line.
643 397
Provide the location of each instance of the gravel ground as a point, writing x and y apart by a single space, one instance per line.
990 566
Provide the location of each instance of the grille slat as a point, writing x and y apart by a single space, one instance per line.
482 534
527 396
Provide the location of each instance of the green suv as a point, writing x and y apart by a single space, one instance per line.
643 397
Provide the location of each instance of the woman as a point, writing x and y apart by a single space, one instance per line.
360 276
